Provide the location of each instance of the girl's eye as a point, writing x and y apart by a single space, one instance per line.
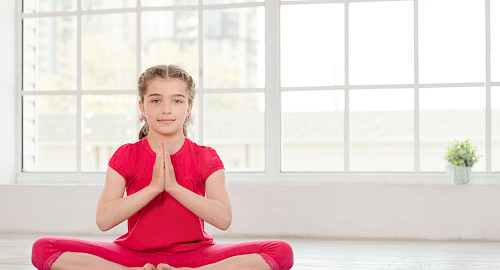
155 101
177 101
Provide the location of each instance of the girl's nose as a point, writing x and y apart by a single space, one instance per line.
167 109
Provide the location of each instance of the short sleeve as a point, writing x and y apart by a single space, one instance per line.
120 161
211 162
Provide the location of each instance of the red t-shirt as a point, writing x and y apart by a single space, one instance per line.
164 224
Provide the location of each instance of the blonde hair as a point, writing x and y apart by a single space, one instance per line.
165 71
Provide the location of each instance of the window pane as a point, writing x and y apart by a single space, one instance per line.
451 47
446 115
381 130
234 127
312 126
171 37
495 128
312 47
108 122
159 3
49 53
234 48
109 53
495 39
35 6
381 42
49 133
108 4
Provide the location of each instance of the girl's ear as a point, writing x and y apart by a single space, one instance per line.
143 113
141 107
188 114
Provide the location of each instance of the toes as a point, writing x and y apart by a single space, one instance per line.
163 266
149 266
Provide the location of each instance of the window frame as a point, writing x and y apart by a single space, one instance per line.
272 91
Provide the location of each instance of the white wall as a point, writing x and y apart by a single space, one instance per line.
7 92
324 210
342 210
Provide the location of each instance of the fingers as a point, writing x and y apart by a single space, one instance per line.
159 156
170 182
163 155
166 153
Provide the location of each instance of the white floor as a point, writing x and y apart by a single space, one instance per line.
15 252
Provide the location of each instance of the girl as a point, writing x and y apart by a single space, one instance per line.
166 177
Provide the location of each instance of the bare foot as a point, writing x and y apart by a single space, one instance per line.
164 266
148 266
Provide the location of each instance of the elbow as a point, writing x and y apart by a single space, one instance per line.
102 224
103 227
226 223
225 226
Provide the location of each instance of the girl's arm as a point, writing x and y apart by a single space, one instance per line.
215 208
113 208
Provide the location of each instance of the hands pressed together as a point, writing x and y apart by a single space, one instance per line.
163 172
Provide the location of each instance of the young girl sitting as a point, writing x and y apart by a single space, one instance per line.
166 177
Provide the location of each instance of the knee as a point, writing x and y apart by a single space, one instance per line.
281 252
42 250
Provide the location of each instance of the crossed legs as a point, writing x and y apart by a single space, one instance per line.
75 260
63 253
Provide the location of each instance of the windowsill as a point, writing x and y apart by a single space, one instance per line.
421 178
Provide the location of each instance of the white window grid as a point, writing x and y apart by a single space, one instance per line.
272 92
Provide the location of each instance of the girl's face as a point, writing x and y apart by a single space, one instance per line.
166 106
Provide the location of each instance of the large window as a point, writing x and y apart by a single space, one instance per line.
282 86
81 60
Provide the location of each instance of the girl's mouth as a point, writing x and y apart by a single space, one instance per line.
166 121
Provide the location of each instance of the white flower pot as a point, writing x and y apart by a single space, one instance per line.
461 175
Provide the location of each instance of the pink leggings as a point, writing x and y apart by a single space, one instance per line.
278 254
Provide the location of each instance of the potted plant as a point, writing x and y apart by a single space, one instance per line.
461 156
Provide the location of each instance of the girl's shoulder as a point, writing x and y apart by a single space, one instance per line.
125 158
202 151
206 158
129 149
